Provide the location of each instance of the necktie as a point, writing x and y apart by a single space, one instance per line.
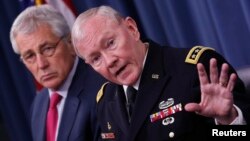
131 94
52 117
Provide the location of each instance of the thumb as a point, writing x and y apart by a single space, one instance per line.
192 107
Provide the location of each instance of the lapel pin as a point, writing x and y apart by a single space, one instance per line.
108 125
155 76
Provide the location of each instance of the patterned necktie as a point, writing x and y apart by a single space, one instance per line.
52 117
131 94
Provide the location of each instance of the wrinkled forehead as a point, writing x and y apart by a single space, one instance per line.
99 22
97 28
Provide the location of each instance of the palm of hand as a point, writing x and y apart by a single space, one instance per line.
216 101
216 93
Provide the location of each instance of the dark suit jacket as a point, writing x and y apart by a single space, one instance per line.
3 131
166 77
78 121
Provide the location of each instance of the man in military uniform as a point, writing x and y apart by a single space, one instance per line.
173 100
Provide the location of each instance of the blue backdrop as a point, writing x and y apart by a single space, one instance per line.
221 24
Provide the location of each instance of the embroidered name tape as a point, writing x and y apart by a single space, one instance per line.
108 135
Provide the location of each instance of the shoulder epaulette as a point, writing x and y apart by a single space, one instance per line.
100 92
195 53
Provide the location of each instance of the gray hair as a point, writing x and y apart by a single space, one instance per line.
32 17
77 33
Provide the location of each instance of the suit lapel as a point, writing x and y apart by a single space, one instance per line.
71 104
118 109
68 118
39 122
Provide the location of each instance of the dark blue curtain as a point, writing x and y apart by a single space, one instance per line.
221 24
16 84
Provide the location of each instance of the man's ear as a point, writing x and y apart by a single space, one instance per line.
68 38
70 45
132 26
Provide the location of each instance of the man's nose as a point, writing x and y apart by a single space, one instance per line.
41 61
110 60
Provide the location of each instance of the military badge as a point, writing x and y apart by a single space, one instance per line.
165 112
168 120
166 104
108 125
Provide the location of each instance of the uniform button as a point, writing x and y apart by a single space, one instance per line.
171 134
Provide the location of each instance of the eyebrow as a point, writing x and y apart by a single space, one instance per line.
39 47
43 44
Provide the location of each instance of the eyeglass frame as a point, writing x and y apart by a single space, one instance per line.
41 52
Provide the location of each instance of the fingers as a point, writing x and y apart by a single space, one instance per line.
215 77
223 80
213 71
202 75
232 81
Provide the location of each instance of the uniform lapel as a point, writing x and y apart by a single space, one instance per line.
118 110
147 98
153 80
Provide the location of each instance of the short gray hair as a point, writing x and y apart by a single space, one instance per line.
77 33
34 16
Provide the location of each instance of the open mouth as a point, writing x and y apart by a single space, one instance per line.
120 70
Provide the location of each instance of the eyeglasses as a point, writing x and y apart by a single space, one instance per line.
46 51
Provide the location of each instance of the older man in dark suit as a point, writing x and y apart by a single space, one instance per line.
65 109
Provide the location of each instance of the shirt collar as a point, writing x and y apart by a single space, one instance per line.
136 86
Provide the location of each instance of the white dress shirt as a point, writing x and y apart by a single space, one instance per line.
63 91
